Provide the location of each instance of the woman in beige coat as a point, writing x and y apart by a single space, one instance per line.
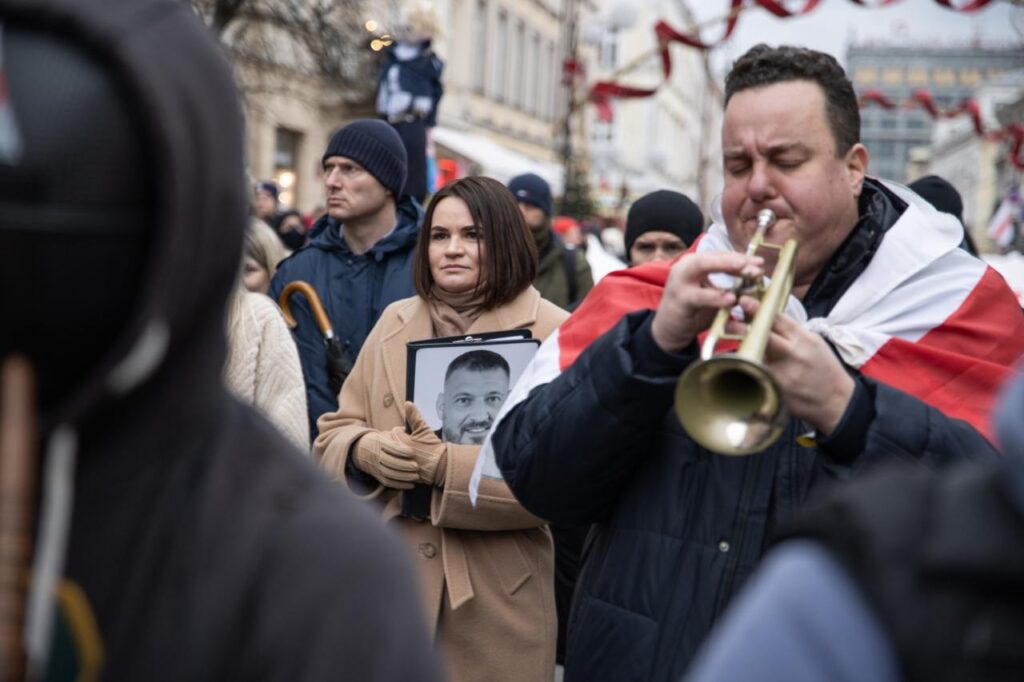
486 572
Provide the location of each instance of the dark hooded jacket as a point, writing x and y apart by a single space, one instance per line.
202 545
354 289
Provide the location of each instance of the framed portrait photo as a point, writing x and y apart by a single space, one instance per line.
460 386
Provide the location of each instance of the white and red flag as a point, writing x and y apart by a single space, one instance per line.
925 317
1000 228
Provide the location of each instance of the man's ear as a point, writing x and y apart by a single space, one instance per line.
440 405
857 167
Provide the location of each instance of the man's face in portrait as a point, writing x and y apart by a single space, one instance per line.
470 403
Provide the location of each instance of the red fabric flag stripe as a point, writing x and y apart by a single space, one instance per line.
959 366
616 295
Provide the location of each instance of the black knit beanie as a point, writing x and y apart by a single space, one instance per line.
663 211
375 146
532 189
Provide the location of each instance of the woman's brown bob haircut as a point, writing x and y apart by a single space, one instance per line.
510 255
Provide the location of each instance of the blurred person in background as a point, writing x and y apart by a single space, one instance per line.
942 195
264 203
661 226
291 228
564 276
263 253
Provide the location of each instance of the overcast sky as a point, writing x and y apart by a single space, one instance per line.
835 23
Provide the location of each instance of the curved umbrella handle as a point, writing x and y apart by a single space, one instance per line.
314 303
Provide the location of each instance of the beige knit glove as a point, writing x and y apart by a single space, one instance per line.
390 462
429 451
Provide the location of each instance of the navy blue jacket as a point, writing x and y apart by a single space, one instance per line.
354 289
678 529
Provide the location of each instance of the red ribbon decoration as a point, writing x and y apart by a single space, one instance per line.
973 6
603 92
922 98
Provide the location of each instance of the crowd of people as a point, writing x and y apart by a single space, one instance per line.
225 492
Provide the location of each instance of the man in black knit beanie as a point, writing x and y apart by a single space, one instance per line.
359 257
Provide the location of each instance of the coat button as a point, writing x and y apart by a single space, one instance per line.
428 549
723 546
389 400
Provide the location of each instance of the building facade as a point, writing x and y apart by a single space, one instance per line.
977 166
671 140
948 74
505 100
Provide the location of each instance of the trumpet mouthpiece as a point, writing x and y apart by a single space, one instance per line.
765 218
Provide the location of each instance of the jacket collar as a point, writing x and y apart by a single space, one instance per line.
326 233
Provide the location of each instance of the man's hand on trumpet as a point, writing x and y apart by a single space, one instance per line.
690 301
815 385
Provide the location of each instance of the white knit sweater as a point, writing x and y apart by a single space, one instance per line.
263 367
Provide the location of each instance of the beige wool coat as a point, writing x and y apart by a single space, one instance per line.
487 573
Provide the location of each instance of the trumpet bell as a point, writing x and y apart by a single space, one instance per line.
730 405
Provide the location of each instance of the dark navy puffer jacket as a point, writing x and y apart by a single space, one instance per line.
354 289
677 529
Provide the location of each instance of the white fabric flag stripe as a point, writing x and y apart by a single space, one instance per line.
543 368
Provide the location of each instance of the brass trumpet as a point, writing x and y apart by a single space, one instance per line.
730 403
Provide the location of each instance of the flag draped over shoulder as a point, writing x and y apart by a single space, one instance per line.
925 317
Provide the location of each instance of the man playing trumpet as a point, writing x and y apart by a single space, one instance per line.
891 346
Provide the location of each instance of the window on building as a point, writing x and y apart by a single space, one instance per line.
499 91
609 50
865 75
970 76
889 121
286 162
533 82
518 66
552 73
480 63
885 148
892 75
917 75
944 77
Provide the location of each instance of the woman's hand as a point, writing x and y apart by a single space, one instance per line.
378 454
425 447
399 458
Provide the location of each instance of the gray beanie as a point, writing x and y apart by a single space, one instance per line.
375 146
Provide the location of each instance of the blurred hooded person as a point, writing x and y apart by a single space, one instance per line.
179 536
909 574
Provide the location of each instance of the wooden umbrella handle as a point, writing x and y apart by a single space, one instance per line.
314 303
18 462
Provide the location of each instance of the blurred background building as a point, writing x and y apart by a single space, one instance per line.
949 74
670 140
517 77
